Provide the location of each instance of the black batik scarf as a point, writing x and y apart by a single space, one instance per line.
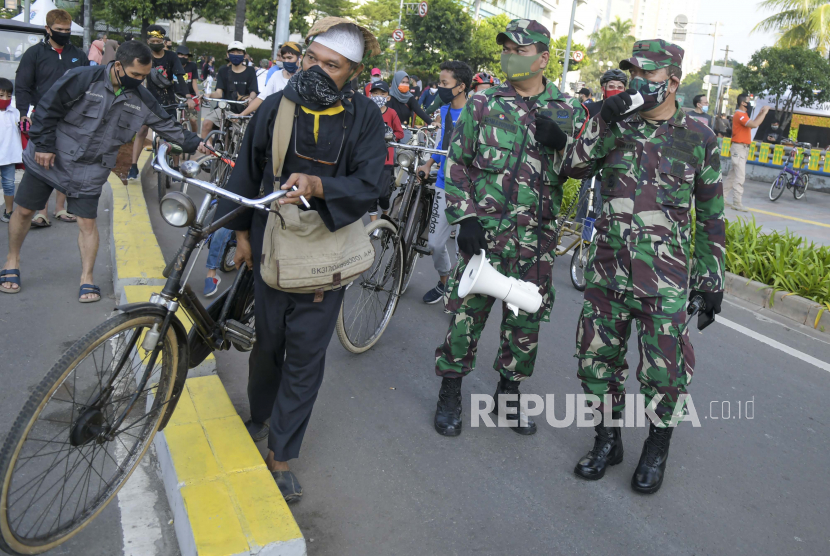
448 128
314 89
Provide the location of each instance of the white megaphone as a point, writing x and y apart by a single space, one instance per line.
480 277
637 101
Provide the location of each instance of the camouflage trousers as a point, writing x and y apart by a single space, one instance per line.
667 358
519 337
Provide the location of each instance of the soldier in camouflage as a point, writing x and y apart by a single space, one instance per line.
654 162
503 188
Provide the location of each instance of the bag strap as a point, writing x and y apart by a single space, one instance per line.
281 138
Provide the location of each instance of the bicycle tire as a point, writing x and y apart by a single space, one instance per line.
227 264
412 256
777 188
162 184
798 189
28 421
386 242
243 308
579 261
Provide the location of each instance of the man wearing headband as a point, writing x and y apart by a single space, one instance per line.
655 162
169 80
503 188
290 55
336 154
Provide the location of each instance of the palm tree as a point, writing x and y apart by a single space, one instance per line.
798 23
612 43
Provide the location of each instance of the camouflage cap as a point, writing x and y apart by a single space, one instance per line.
524 32
653 54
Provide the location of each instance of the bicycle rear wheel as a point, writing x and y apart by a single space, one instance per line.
370 301
778 186
227 263
60 465
579 262
412 256
800 186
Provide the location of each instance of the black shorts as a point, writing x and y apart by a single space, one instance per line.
33 194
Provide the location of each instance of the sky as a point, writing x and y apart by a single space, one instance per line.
737 18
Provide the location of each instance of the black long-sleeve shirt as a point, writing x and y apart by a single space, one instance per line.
171 67
354 139
405 110
40 66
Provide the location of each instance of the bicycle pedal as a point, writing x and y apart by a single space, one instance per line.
236 331
421 250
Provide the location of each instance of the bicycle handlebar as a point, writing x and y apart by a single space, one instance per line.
424 150
160 164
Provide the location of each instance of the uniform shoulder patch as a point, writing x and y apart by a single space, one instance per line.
501 121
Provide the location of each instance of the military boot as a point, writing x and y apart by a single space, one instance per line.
526 425
649 473
448 413
607 450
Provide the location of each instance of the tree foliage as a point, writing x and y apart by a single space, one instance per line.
557 58
381 18
485 53
612 43
444 34
787 77
799 23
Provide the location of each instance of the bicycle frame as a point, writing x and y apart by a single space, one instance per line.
177 292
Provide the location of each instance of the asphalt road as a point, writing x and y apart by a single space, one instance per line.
379 480
36 326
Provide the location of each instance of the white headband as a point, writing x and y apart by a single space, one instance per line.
345 39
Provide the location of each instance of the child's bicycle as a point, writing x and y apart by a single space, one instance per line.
790 177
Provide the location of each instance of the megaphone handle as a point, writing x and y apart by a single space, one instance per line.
637 101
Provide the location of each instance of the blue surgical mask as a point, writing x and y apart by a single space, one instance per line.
290 67
705 109
236 59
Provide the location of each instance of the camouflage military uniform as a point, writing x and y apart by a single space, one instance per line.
641 260
498 173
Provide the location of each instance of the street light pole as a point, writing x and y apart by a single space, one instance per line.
400 16
712 63
26 9
568 47
281 27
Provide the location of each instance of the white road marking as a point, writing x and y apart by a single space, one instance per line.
777 345
137 501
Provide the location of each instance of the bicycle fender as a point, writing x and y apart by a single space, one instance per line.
184 356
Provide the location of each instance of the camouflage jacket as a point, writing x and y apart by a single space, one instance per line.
497 172
649 176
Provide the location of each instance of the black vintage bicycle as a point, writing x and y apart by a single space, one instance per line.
91 419
399 240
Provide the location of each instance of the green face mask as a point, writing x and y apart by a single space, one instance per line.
517 68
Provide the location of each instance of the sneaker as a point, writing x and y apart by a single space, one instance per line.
435 294
739 208
211 286
133 173
6 216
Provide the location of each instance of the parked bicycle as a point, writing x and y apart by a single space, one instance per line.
164 182
399 239
90 420
791 178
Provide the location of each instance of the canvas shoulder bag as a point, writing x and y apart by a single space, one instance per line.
299 253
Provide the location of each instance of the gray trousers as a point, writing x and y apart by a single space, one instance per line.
439 234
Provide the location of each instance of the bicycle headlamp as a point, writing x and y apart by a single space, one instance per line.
177 209
221 105
406 158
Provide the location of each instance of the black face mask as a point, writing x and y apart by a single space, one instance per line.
156 47
127 82
316 87
446 95
60 39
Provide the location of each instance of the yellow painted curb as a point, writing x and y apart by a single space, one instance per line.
224 500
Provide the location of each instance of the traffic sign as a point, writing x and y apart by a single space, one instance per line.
397 35
577 55
422 9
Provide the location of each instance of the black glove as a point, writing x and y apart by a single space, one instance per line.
549 134
471 238
712 300
614 108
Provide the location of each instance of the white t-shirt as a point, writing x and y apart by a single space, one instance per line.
276 84
11 149
261 74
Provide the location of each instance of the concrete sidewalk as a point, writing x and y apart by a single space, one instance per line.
808 216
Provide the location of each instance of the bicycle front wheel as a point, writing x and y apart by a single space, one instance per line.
579 262
800 186
777 187
62 463
370 301
227 263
